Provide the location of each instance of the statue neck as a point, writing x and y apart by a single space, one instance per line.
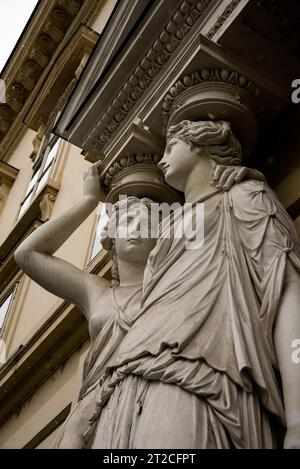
130 273
199 180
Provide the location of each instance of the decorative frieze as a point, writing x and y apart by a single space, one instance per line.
36 60
222 18
156 57
52 24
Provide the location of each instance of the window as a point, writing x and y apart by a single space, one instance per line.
5 306
101 222
41 172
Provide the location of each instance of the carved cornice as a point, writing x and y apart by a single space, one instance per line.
45 37
7 173
157 56
36 59
215 75
221 20
61 79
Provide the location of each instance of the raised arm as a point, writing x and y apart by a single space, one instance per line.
35 254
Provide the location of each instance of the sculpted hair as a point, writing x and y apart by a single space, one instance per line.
216 136
108 241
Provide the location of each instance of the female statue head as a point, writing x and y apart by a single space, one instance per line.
127 234
216 136
189 140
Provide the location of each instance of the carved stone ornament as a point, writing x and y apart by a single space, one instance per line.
37 141
138 175
36 60
56 26
221 20
216 94
46 205
163 48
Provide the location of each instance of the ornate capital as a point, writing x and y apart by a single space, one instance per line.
216 94
138 175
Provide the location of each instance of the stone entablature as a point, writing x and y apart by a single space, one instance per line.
162 49
179 48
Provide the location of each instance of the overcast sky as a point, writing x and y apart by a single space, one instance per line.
14 15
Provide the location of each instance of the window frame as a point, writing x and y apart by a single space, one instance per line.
101 210
40 168
12 291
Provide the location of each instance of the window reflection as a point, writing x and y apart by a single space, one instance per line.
41 173
101 222
5 306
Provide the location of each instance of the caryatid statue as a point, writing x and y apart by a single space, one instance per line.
208 361
109 311
196 365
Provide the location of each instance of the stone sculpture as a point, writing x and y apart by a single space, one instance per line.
199 366
109 311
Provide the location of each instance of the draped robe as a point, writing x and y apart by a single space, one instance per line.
197 367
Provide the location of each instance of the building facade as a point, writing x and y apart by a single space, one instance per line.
95 80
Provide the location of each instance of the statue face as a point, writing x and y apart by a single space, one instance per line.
177 163
132 244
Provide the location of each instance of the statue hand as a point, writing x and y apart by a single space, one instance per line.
292 438
92 189
225 176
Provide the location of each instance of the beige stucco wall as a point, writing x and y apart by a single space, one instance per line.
49 400
100 21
